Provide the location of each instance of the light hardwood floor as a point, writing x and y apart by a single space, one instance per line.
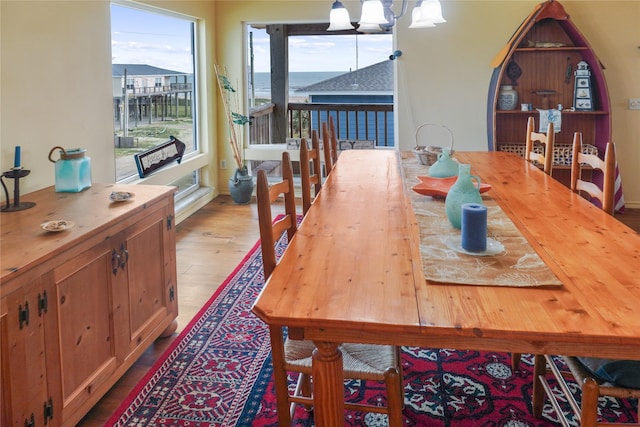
210 244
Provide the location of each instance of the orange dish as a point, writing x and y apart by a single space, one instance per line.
439 187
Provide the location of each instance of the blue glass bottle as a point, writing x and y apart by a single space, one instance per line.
464 190
445 166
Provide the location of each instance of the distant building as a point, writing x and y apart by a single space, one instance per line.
153 93
369 85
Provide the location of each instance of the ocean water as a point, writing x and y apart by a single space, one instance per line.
297 80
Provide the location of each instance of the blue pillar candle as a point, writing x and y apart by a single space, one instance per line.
16 157
474 227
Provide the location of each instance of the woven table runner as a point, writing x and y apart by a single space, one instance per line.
518 265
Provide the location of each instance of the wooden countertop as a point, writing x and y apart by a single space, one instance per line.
24 243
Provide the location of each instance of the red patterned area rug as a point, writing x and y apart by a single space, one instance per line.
218 373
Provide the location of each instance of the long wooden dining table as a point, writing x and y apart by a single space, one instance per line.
353 273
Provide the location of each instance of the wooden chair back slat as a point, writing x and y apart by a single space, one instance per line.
605 194
271 231
310 170
326 148
334 140
548 140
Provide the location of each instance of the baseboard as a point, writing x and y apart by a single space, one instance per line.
186 207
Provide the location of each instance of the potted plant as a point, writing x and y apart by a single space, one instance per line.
241 184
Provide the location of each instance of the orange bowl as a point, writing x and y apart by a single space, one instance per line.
439 187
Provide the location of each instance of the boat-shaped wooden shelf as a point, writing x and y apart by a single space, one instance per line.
540 61
547 69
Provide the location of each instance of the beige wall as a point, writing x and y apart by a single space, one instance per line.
443 74
56 85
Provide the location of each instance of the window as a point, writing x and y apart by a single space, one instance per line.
154 82
347 76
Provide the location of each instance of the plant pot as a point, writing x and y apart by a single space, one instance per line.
241 186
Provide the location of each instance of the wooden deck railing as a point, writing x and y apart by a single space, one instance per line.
260 127
353 122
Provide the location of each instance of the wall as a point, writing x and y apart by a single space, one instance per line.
443 74
56 86
54 56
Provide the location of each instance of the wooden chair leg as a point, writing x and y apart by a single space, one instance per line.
538 395
395 397
400 372
515 361
303 389
280 375
589 404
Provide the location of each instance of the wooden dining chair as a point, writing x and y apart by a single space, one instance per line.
334 140
591 388
547 140
607 166
266 195
327 149
310 170
360 361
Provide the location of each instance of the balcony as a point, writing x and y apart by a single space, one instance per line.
371 122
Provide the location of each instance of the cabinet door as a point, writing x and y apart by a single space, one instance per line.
85 312
25 392
151 277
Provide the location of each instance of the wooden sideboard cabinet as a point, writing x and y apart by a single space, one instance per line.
79 306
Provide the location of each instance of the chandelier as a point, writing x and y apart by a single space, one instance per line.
378 16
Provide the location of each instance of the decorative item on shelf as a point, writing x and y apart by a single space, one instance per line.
551 115
514 72
507 98
72 170
543 44
465 190
241 184
544 93
567 73
16 172
428 155
582 96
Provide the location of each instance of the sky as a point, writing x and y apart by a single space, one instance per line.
141 37
325 53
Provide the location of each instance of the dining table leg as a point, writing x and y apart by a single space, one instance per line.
328 386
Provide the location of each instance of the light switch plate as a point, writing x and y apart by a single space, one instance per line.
634 103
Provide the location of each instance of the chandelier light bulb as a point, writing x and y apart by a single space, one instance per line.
378 16
372 13
339 18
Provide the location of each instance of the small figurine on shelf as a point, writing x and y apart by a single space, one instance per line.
545 93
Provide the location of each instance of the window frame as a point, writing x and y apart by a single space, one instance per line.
195 161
